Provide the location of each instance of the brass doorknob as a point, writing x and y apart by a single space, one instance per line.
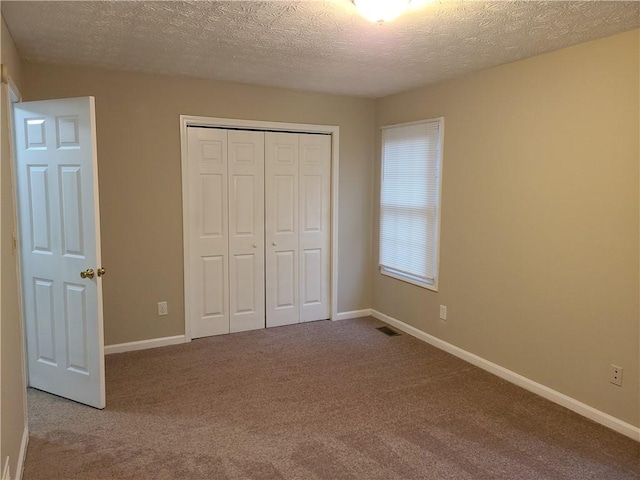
101 271
88 273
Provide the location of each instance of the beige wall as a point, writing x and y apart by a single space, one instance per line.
12 401
140 181
10 56
539 244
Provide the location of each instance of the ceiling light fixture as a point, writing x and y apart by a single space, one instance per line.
381 10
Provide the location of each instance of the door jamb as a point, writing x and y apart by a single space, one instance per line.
334 131
15 96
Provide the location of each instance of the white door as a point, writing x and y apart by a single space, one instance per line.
281 225
258 229
315 220
57 185
246 230
208 239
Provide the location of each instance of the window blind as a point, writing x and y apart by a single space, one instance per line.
409 200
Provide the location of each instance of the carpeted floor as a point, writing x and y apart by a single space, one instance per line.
326 400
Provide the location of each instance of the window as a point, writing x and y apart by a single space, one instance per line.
410 201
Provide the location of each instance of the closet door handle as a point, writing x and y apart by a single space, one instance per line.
274 244
255 245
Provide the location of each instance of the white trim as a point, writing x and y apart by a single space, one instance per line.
334 131
14 96
583 409
144 344
386 270
6 470
366 312
335 176
184 122
23 452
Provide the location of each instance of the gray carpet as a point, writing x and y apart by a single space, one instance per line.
326 400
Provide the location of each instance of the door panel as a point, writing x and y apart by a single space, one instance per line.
75 317
214 285
246 235
212 202
60 237
244 200
244 285
71 209
281 224
315 218
44 321
208 243
285 279
38 208
311 196
312 286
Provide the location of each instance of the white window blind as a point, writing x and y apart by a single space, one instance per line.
409 201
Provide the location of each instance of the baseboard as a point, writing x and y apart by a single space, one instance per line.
353 314
560 398
23 452
143 344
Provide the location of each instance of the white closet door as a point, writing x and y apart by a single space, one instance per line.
208 239
246 230
315 220
281 224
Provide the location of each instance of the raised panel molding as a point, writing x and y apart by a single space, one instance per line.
71 211
35 134
38 184
75 309
212 203
68 132
213 285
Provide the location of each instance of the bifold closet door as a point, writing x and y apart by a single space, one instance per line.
246 230
281 225
315 226
258 228
207 228
226 230
297 176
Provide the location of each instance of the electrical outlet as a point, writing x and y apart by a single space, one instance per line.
162 308
615 375
443 312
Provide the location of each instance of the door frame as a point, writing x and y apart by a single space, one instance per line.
15 96
196 121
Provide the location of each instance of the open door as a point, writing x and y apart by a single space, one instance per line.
59 223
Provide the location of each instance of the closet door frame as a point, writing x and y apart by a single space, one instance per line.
195 121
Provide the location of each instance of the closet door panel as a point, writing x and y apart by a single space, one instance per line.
281 224
315 220
208 244
246 230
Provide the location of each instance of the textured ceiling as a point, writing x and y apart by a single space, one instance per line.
311 45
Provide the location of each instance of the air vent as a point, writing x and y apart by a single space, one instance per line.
388 331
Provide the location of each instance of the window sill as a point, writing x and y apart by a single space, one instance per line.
413 281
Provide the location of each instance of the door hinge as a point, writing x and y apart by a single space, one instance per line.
14 243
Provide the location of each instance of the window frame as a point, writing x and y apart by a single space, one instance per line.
406 276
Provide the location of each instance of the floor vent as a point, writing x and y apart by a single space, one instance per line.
387 331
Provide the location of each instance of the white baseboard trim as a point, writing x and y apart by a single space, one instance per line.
560 398
353 314
23 452
143 344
